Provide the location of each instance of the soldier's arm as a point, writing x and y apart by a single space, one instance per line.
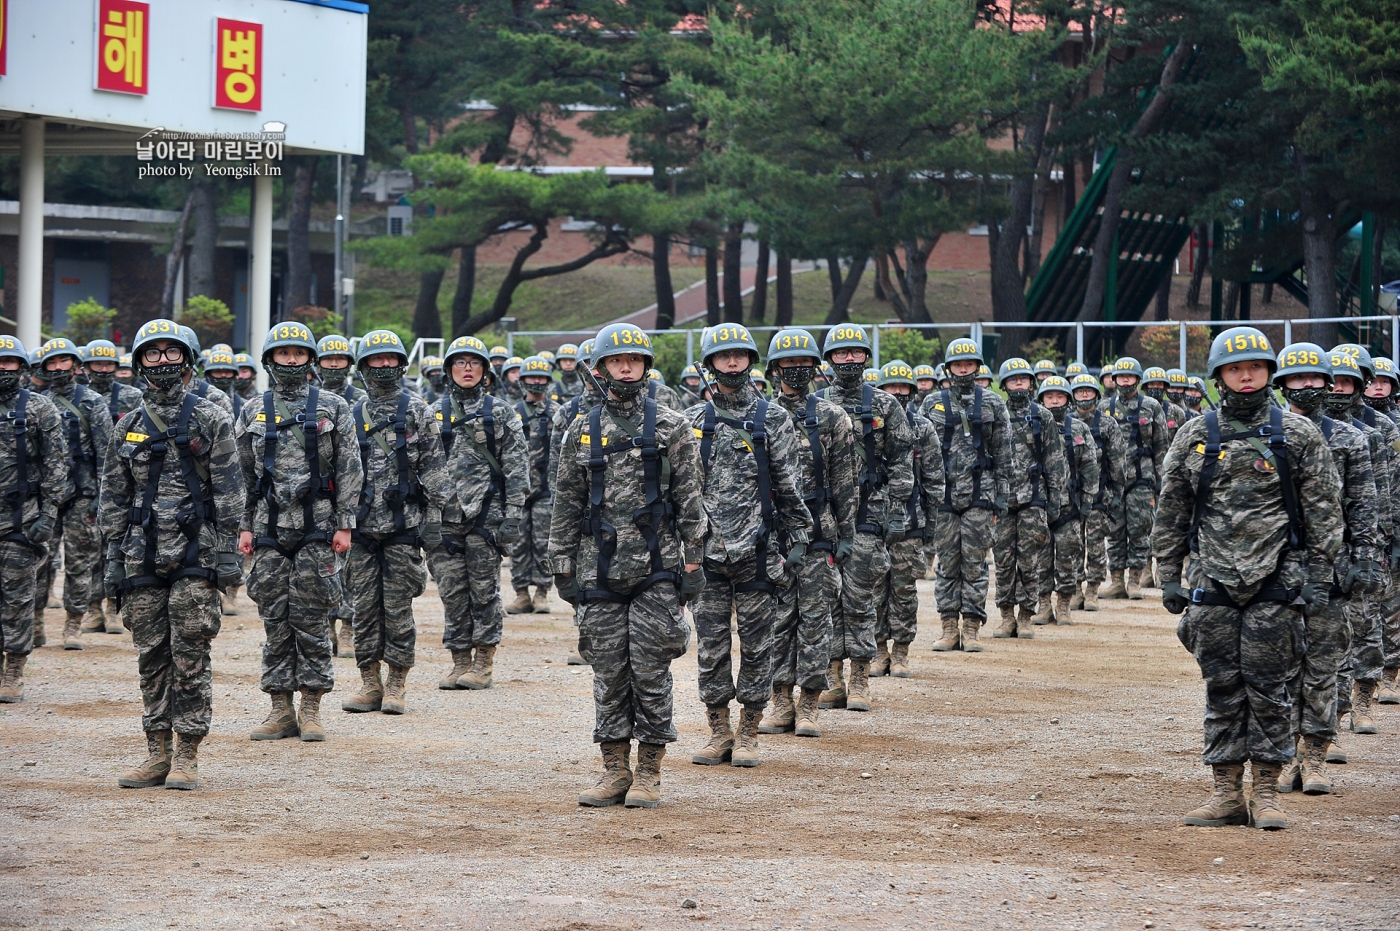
1056 465
841 476
1362 504
1088 470
793 515
225 477
932 461
514 454
115 497
1319 492
1175 505
432 462
1000 449
899 458
1161 441
687 492
56 482
570 500
1380 456
100 424
349 472
249 466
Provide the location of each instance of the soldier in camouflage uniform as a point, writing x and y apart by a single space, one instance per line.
1305 376
34 472
221 371
826 474
571 381
246 385
87 426
1061 573
575 408
488 469
401 501
1380 395
197 384
1144 427
748 451
626 546
1039 495
1177 385
335 364
172 494
100 362
897 608
434 379
125 374
662 393
691 386
508 388
1250 492
1043 369
974 433
925 381
301 467
1156 384
529 559
1196 395
884 482
1107 497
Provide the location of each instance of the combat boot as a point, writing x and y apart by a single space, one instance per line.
745 751
576 660
157 765
880 665
541 600
370 697
1290 775
73 632
1064 609
479 676
1146 578
1361 721
1387 694
12 682
114 620
1335 753
1115 586
1226 804
781 715
1091 596
719 748
522 603
806 725
41 637
1025 624
1076 601
1007 628
461 662
394 688
949 641
1315 778
1265 810
899 661
858 689
612 786
309 718
95 621
646 784
834 695
968 630
1134 586
1044 610
281 721
184 771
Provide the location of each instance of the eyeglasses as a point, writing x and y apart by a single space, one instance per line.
462 362
155 356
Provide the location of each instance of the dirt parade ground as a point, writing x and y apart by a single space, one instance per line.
1039 784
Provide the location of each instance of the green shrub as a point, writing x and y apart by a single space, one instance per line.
87 321
910 346
210 319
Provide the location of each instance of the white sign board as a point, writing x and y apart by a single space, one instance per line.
192 66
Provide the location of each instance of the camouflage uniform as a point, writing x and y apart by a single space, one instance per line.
1107 497
297 587
1067 529
87 426
121 399
172 622
897 608
1144 429
571 384
1038 495
529 556
664 396
631 638
739 574
201 388
1175 415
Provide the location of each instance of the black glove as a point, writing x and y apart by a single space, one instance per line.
509 532
230 569
895 531
113 577
692 584
430 534
1369 576
1316 596
1174 597
999 506
567 586
41 531
795 557
92 510
844 549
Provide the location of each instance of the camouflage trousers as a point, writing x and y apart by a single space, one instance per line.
296 598
172 629
17 564
1315 690
802 622
897 608
45 557
1098 527
529 563
630 646
1022 550
1066 558
384 580
469 583
853 615
1365 658
1249 658
1130 543
1390 635
754 612
82 542
962 541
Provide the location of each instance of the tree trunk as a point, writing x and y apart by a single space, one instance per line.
1268 295
917 255
427 320
299 234
466 291
1092 307
1198 272
1040 200
1320 265
882 272
1005 237
733 282
1070 193
841 306
661 279
782 313
712 308
892 293
833 271
206 236
759 306
1164 298
1232 298
174 258
410 129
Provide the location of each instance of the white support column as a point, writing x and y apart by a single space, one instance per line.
260 287
31 232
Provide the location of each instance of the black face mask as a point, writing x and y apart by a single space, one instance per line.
334 378
56 378
125 376
102 381
1192 403
1060 412
164 376
1086 406
1019 397
1177 397
1306 400
629 390
436 380
1155 393
1245 401
1339 405
9 381
223 382
965 383
385 376
797 377
1126 391
1381 404
289 374
733 379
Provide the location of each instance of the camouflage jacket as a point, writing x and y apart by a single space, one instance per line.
472 474
571 550
892 441
664 395
427 465
1351 454
121 399
351 393
1244 525
338 461
128 470
87 428
1112 455
1039 472
46 462
1385 467
951 416
837 446
1379 454
732 503
928 473
1081 458
1144 434
570 384
203 389
1175 416
539 421
574 409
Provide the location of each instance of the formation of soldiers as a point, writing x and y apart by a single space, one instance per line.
792 498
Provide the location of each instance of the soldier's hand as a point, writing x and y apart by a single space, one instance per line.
245 543
341 542
41 531
113 577
230 569
692 584
795 557
894 533
844 549
92 511
1316 596
509 532
1370 576
1174 597
567 586
430 534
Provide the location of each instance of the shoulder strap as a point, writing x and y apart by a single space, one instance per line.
707 435
817 501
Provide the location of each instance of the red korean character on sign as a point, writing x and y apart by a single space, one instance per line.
123 41
237 65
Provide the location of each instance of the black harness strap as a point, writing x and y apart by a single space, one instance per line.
872 477
819 500
317 486
1105 462
914 512
1037 475
1277 449
405 490
541 489
24 487
113 407
972 430
1072 513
